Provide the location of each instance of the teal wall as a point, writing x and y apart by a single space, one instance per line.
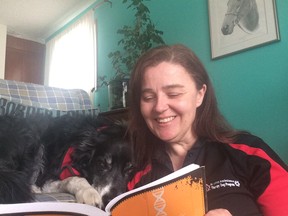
109 20
251 86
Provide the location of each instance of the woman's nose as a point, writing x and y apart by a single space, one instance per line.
161 104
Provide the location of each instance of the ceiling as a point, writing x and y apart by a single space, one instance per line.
38 19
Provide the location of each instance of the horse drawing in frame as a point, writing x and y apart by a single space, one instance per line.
243 13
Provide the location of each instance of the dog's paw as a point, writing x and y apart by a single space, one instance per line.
89 196
35 189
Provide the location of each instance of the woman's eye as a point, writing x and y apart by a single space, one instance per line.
147 98
173 94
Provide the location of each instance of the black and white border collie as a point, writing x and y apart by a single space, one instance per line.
87 157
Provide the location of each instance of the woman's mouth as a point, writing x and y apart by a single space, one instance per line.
165 120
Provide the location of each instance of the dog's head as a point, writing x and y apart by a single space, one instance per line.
104 158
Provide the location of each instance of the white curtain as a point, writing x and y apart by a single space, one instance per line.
71 56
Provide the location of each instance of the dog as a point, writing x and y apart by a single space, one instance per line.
85 156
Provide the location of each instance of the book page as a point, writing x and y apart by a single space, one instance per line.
50 208
180 193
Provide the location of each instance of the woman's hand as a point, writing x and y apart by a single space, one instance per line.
218 212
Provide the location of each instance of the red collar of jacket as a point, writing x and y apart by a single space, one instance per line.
66 167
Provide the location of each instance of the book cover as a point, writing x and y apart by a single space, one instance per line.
180 193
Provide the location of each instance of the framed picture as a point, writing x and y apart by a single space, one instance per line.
236 25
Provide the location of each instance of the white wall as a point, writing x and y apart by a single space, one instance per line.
3 36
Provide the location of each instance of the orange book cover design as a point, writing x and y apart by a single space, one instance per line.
184 196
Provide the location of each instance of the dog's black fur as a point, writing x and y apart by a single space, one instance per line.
32 150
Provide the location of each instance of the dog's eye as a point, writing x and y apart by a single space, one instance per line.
128 168
100 164
103 165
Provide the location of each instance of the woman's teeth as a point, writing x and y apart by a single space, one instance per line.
165 120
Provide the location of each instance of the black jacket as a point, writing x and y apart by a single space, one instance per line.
245 177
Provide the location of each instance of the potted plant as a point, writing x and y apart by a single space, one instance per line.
137 39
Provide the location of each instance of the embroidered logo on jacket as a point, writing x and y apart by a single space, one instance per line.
222 184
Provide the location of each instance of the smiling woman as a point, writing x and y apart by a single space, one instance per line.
175 121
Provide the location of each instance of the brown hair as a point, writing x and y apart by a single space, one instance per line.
209 124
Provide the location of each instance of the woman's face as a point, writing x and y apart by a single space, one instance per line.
169 100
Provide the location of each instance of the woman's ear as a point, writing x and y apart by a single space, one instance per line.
201 95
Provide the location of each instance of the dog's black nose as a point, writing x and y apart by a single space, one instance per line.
106 199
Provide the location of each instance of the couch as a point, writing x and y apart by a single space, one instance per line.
23 99
20 98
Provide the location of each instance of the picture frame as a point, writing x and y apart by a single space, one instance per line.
236 25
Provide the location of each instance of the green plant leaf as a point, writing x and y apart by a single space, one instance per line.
136 39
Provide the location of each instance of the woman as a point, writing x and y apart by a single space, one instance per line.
175 121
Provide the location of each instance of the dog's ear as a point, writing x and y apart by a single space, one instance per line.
87 141
95 138
118 129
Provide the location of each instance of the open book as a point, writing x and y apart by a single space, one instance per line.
180 193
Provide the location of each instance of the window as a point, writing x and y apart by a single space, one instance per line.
71 56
